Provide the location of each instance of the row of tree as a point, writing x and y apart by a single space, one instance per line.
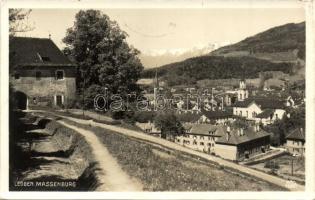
215 67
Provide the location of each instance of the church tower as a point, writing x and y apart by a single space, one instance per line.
242 92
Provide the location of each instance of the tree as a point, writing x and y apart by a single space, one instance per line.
98 46
240 123
169 124
16 21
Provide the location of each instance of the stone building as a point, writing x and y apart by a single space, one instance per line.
40 74
295 142
240 144
200 137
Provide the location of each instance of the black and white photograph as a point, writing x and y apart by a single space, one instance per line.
156 99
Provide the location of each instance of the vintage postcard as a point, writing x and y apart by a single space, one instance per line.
152 97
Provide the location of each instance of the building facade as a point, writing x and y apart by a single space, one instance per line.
40 74
200 137
295 142
240 144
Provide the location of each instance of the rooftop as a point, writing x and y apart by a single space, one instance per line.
296 134
217 114
235 138
27 51
264 103
266 113
207 129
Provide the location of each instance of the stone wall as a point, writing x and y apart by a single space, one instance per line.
43 91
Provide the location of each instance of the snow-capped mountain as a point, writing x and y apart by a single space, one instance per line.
159 57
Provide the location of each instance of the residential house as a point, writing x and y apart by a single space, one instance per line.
269 116
216 117
248 109
40 74
295 142
240 144
149 128
251 107
200 137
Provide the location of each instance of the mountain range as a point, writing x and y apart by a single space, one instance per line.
281 48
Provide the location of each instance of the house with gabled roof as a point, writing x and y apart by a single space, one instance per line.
295 142
40 73
239 144
216 117
251 108
269 116
200 137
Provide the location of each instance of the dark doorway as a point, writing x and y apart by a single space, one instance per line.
21 100
59 100
246 154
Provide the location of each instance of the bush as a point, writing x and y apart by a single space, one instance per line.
271 165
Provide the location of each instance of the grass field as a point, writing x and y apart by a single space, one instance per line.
283 165
161 169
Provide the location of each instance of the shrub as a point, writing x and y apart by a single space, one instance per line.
271 165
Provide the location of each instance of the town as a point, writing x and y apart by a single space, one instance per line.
252 119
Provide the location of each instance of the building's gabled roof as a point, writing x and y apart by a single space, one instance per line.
235 139
265 114
296 134
270 103
206 129
217 114
203 129
263 103
26 51
244 104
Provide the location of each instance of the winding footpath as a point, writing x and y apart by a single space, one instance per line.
111 176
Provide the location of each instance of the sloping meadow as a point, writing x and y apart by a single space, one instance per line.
162 169
52 157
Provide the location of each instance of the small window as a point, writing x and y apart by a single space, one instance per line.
16 76
59 75
38 75
45 59
201 143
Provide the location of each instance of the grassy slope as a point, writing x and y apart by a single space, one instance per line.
161 169
283 38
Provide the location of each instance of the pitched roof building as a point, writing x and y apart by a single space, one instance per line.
295 141
239 144
40 73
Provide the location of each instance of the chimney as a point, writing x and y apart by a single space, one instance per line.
228 129
228 135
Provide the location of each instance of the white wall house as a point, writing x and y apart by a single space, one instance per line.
269 116
249 110
200 137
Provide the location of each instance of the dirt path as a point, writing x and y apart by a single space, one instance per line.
112 177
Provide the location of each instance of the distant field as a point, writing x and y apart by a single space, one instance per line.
161 169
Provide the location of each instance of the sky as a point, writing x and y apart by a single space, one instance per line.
153 30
